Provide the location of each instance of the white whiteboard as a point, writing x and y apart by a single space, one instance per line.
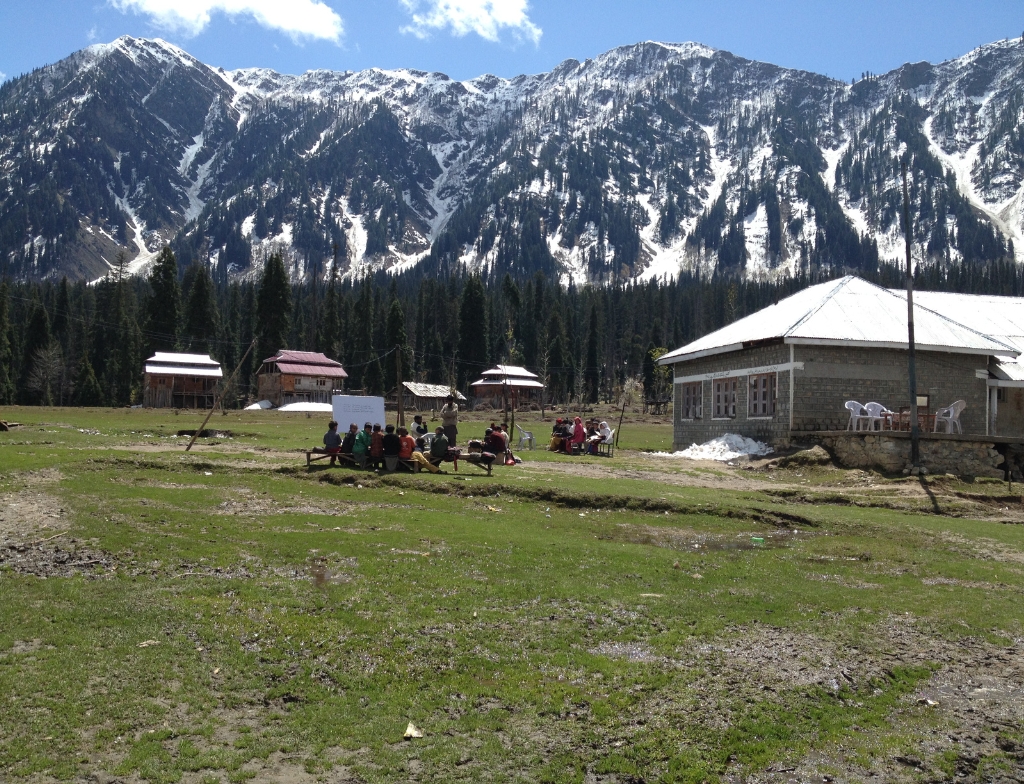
349 409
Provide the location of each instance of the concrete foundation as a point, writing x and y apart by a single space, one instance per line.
940 454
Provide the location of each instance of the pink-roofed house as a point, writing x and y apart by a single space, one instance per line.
299 377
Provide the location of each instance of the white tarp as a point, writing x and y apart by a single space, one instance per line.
727 447
357 410
314 408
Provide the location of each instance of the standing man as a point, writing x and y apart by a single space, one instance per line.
450 420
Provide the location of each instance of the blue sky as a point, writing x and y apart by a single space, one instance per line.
466 38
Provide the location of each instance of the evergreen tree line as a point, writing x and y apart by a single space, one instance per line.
65 343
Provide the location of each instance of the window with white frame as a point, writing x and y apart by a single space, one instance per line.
692 399
725 397
761 395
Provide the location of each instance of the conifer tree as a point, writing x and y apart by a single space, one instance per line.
473 332
6 355
201 320
273 309
87 388
164 309
396 337
557 356
62 315
592 371
37 339
329 326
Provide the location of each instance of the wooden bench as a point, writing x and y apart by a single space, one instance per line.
392 463
475 460
344 458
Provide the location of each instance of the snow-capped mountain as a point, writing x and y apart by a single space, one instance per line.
647 160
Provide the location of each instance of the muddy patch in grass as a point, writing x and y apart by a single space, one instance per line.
571 500
689 540
973 698
49 559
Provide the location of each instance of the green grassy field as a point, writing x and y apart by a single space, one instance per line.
230 615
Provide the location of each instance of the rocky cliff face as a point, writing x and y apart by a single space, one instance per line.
646 160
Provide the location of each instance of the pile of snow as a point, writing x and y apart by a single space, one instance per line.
727 447
263 405
319 408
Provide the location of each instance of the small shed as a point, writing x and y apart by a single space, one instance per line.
427 397
299 377
180 381
515 384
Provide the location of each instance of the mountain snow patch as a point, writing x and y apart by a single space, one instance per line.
727 447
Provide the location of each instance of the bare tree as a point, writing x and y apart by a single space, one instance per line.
48 376
545 377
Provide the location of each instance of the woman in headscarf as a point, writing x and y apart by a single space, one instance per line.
579 435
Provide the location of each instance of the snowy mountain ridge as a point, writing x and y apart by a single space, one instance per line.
644 161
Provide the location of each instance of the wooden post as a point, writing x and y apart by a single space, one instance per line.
915 432
618 430
398 379
226 386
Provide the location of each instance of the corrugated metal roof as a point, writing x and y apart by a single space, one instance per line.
852 312
326 371
1009 371
170 358
998 317
509 370
302 358
511 383
430 390
183 370
306 363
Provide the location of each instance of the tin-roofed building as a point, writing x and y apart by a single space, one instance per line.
180 381
427 397
299 377
515 384
791 367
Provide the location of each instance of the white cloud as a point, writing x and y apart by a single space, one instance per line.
92 35
297 18
3 77
486 18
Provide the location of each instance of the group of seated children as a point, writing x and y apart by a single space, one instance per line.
495 444
372 445
579 436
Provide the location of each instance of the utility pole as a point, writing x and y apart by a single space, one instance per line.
915 432
398 385
227 386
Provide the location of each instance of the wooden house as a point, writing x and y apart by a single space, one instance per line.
427 397
180 381
511 383
299 377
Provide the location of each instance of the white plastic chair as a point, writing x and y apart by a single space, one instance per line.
950 417
875 415
525 437
857 413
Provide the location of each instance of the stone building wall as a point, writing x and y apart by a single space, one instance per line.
833 375
890 452
773 429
